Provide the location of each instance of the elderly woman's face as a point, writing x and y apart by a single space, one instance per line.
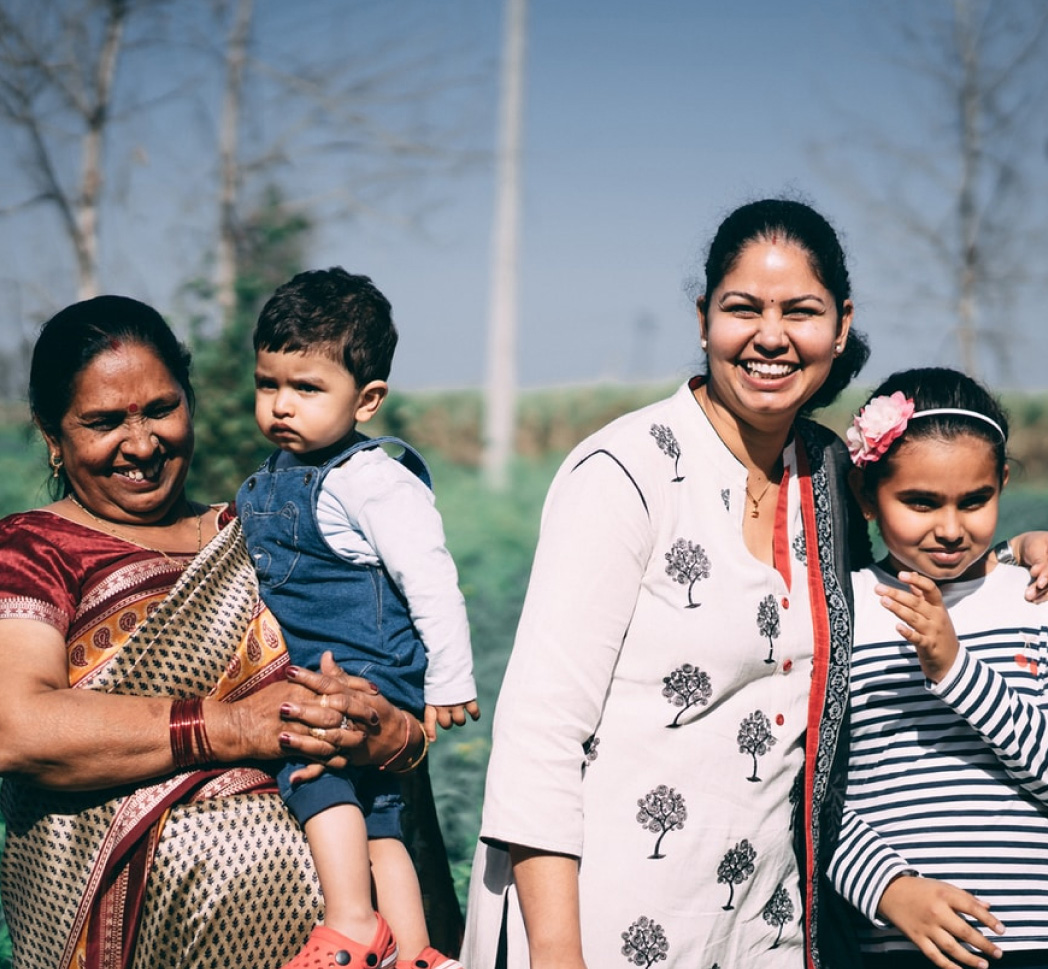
773 330
127 438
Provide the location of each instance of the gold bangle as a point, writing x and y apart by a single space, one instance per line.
413 762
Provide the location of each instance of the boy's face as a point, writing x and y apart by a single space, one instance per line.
306 402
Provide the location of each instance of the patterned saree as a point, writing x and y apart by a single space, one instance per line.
202 868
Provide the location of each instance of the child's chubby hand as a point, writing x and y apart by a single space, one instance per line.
924 622
450 716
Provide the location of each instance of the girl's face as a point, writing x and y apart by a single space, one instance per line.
773 330
937 506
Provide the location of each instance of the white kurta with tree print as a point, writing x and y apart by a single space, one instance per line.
653 712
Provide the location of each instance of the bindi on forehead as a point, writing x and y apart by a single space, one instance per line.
132 408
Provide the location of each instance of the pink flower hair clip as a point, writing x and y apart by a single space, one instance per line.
880 423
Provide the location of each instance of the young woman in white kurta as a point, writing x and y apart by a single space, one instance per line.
689 736
679 659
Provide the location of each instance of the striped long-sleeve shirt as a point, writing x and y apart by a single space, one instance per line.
950 780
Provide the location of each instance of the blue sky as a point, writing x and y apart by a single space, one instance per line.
645 123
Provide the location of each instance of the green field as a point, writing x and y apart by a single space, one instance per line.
492 537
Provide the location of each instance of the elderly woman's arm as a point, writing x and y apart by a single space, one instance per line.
72 739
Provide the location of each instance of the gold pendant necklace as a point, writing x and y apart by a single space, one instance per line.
108 527
755 510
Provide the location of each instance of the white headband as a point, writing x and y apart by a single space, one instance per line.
932 411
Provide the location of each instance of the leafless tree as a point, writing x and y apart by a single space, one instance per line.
230 174
337 117
58 67
962 204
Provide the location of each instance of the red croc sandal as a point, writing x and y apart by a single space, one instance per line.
429 958
327 949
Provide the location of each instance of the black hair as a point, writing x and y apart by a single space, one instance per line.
797 223
333 312
931 388
73 337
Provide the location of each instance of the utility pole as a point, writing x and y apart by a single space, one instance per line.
500 397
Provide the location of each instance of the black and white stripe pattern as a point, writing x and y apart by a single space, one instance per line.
951 780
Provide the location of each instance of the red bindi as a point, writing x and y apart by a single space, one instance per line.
132 408
774 239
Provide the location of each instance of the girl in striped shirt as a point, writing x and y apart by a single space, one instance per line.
945 834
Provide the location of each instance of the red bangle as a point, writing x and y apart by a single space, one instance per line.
190 746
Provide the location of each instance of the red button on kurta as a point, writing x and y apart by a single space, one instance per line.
785 603
787 665
780 719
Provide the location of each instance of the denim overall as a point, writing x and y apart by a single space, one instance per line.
324 602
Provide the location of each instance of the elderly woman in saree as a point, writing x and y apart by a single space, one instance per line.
145 693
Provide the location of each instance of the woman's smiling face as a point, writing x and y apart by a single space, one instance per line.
772 331
127 438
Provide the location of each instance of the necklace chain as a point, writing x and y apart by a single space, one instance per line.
108 527
755 510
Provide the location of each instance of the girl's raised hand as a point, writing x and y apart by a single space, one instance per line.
929 912
924 622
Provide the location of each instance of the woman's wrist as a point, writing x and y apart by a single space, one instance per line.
1003 553
412 751
187 734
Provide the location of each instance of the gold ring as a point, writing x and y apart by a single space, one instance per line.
319 733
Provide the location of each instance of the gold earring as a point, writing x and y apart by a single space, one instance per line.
56 462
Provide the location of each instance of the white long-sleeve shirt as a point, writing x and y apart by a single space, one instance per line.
374 511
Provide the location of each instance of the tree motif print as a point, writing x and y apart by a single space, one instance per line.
645 942
755 738
684 687
687 564
800 548
726 498
667 443
662 810
778 911
768 623
735 867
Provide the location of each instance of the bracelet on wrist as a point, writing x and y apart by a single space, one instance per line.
190 746
412 761
1003 551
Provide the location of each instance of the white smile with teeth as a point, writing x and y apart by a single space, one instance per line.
136 474
766 369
